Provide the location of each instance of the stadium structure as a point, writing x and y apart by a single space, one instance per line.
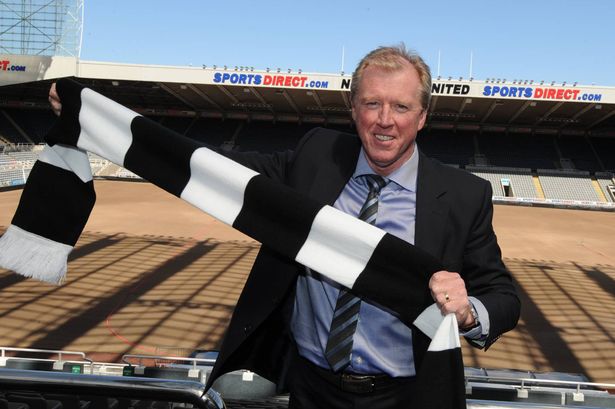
539 143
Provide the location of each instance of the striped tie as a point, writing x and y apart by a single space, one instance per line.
346 314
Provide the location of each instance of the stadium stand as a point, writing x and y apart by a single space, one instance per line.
579 151
540 168
12 176
213 131
159 382
519 150
178 124
449 148
284 136
8 130
35 123
507 182
16 161
520 181
566 185
606 181
605 149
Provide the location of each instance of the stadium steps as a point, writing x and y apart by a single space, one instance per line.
598 190
538 186
17 127
110 170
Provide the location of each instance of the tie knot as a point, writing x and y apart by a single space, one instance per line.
376 183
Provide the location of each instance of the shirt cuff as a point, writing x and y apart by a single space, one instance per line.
480 332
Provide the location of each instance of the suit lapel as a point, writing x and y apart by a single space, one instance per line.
431 209
332 176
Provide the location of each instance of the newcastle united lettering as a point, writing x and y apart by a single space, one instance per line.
449 89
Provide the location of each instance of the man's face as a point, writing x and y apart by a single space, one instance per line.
388 114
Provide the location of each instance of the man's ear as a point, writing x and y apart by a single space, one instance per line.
422 119
352 111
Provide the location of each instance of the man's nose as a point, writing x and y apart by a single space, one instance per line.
385 116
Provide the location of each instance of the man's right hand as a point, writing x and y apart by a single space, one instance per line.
54 100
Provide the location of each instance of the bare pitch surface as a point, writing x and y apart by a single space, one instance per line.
153 275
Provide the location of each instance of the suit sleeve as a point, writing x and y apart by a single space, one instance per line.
487 278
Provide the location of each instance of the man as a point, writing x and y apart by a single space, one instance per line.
285 316
281 324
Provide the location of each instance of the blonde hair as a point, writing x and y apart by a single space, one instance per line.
392 58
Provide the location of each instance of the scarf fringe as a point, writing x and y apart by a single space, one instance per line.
34 256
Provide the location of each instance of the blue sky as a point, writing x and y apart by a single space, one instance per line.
547 40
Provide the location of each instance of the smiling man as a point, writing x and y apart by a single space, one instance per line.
330 348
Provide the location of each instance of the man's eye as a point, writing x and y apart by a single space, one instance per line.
372 104
401 108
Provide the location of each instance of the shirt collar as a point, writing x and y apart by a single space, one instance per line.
405 176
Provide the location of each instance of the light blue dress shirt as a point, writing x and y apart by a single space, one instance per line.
382 343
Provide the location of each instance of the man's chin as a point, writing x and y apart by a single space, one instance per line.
382 166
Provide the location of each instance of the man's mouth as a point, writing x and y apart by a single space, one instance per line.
383 138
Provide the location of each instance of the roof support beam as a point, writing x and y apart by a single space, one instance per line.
290 101
318 102
228 94
204 96
489 111
433 103
465 102
176 95
520 111
603 118
549 112
578 114
346 100
261 99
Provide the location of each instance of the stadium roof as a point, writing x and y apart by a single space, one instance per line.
458 104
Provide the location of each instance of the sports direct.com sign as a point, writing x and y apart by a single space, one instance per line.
272 80
564 94
530 92
15 69
6 65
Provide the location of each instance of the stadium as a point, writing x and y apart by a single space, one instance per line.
149 268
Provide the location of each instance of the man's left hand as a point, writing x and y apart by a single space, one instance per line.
449 292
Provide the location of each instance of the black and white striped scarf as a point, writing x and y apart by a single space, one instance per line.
59 196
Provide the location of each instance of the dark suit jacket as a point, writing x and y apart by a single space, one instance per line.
453 223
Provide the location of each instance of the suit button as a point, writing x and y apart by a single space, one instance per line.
247 328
